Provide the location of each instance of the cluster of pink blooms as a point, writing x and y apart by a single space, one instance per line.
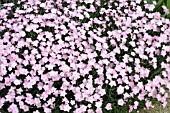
44 43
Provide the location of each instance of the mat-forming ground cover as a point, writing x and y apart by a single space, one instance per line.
103 56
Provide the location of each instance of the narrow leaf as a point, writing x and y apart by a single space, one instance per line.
168 4
165 2
159 4
149 1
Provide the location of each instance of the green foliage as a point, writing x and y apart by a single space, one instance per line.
150 1
159 4
168 4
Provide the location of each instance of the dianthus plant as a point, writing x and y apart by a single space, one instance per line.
83 56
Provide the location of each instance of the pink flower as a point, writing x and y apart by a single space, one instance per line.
121 102
164 104
99 110
22 33
17 82
130 108
148 104
47 110
98 104
136 104
13 108
141 96
2 101
36 111
109 106
89 1
120 90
